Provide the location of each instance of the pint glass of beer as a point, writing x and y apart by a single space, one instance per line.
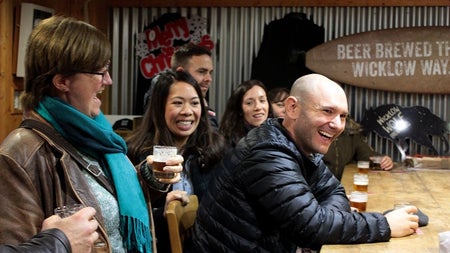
363 166
160 155
358 200
376 162
361 182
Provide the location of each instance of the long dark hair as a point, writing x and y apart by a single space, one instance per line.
232 125
153 130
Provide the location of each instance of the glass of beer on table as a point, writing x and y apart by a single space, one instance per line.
358 200
360 182
376 162
363 166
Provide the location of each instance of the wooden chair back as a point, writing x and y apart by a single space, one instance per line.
180 220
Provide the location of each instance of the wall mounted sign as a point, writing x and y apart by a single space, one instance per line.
412 60
156 44
399 124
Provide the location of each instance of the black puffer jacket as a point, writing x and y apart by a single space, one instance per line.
47 241
271 198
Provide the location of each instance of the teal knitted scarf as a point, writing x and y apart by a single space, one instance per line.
95 137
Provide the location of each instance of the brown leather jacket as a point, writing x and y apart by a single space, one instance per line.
37 175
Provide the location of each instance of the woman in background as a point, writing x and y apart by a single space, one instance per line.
276 97
247 107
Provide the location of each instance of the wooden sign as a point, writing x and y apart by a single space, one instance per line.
412 59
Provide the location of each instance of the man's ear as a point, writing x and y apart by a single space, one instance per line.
179 69
290 103
60 83
291 106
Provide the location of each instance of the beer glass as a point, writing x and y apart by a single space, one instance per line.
66 211
160 155
360 182
376 162
363 166
358 200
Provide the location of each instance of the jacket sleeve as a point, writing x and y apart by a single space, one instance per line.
275 180
51 241
327 189
19 222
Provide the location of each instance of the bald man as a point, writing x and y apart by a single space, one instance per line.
275 194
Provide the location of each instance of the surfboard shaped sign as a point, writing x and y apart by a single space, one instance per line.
412 60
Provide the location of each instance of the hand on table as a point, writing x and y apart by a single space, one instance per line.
403 221
386 163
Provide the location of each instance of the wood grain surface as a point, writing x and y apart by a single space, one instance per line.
426 189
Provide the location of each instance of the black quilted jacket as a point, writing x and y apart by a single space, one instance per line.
47 241
271 198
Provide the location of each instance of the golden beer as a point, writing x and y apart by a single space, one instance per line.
361 182
363 167
361 187
358 200
375 162
160 156
158 170
361 206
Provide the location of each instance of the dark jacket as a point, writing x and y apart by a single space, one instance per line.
199 178
271 198
37 175
213 119
281 56
48 241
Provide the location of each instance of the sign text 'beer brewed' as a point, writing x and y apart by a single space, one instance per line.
405 60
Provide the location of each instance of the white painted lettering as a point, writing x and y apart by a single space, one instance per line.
434 67
340 51
398 50
383 68
379 50
353 51
443 48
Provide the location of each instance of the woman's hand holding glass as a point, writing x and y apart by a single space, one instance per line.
173 165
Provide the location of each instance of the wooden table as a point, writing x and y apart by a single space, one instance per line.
429 190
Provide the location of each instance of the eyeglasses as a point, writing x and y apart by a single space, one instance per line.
98 73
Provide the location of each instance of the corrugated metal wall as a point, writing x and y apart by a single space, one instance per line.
237 33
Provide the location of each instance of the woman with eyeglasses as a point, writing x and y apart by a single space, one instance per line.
66 152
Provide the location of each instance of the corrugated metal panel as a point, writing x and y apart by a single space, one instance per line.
237 33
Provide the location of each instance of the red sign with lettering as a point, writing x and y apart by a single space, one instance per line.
156 44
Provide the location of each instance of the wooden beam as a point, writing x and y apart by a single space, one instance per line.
272 3
9 118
